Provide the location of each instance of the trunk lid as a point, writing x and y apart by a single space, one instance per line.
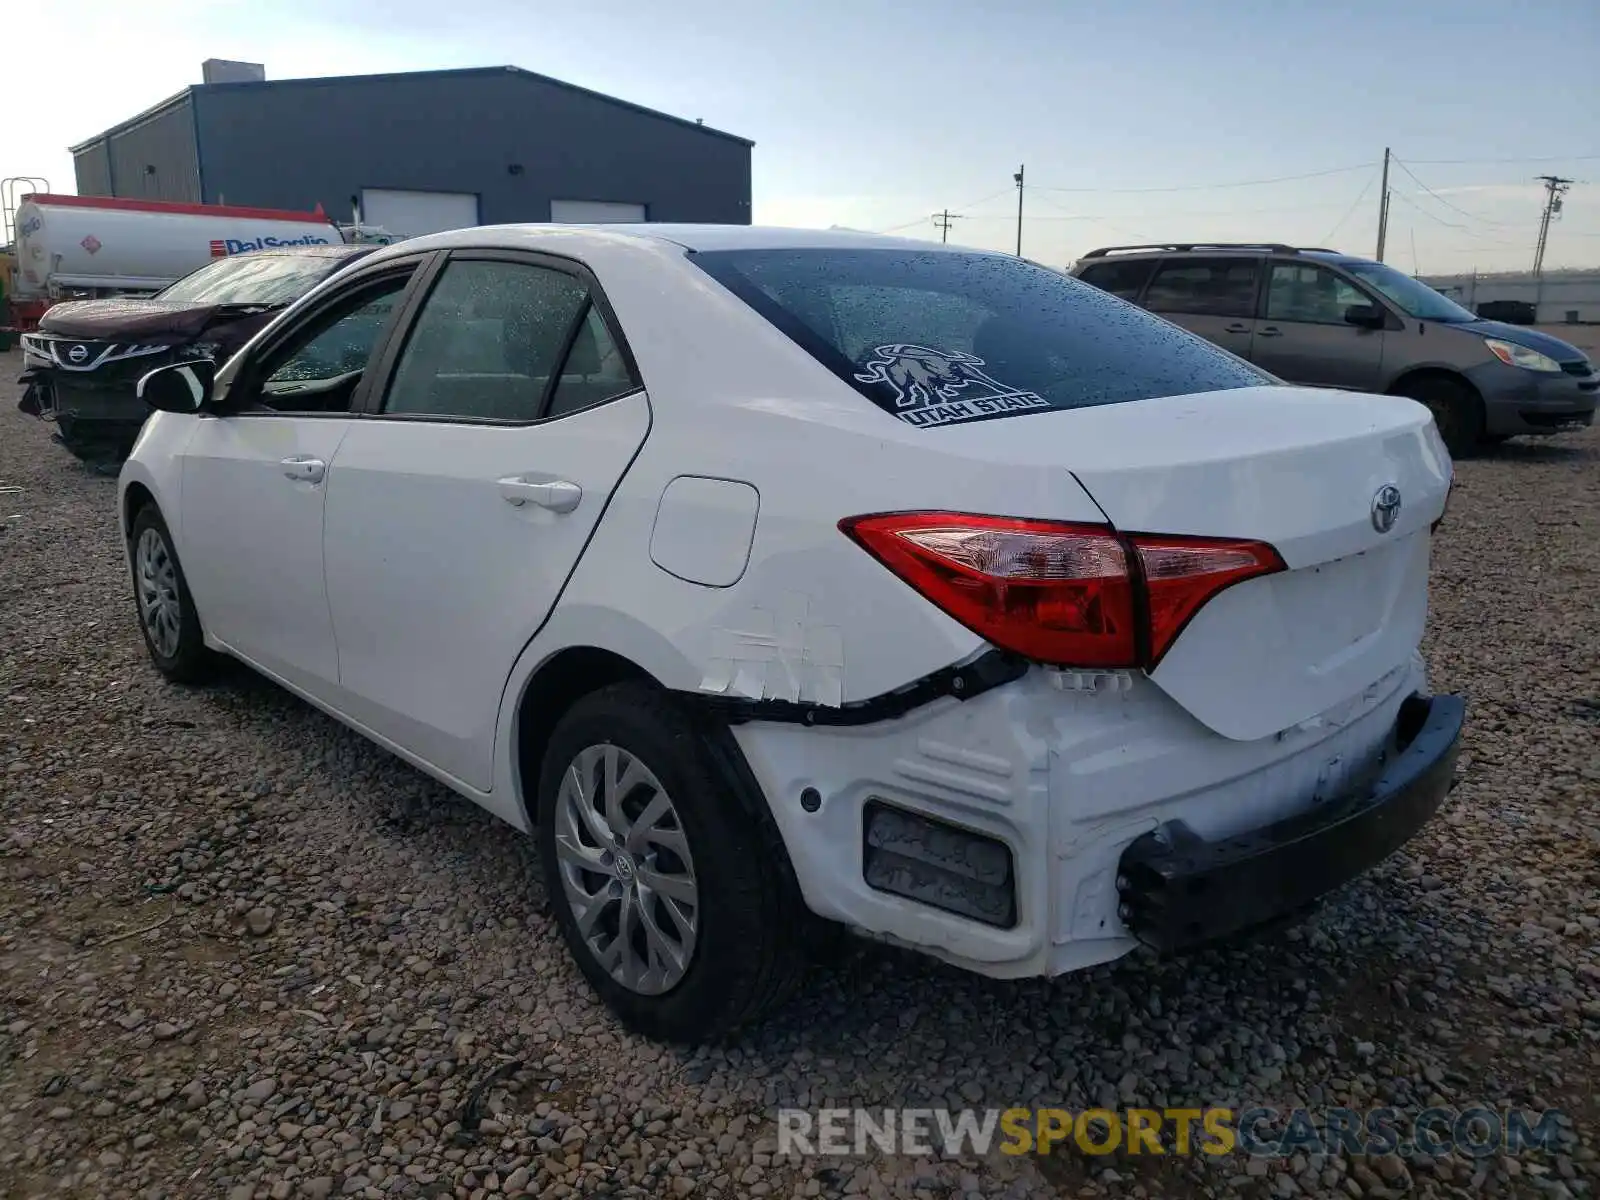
1301 469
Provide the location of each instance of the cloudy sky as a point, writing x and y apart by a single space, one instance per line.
1137 120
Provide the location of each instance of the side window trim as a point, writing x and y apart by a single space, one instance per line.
388 363
1144 288
542 412
248 375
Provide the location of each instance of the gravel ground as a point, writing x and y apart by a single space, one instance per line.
245 954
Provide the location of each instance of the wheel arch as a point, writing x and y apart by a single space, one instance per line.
135 497
1414 375
578 669
555 686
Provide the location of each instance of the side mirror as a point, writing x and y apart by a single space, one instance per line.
1367 316
179 387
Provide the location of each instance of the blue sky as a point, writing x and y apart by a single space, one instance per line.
875 114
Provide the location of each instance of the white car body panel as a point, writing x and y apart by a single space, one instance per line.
270 604
445 602
490 575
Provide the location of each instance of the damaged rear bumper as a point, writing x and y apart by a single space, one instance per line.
1177 889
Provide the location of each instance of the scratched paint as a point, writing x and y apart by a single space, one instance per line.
778 653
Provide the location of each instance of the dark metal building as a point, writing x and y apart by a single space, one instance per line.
422 151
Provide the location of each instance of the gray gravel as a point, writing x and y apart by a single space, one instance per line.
245 954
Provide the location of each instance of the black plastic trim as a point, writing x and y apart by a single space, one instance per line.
993 669
1177 889
878 804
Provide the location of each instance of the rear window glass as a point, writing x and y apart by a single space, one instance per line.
945 337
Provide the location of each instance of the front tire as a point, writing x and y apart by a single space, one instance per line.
1457 411
167 615
662 882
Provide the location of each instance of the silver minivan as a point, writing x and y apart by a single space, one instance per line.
1326 319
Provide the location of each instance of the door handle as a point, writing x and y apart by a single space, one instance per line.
305 470
558 495
1269 331
1236 328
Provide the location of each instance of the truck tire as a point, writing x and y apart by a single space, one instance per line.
663 884
1457 411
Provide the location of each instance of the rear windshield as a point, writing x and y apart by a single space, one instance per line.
945 337
252 279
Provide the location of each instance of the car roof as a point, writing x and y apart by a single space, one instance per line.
690 237
1217 249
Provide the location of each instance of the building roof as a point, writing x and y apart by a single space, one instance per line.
389 77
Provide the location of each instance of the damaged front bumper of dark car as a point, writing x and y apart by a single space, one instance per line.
88 389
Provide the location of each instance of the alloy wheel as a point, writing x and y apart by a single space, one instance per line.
626 869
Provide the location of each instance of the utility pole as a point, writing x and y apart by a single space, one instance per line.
1018 177
1554 187
1383 206
941 221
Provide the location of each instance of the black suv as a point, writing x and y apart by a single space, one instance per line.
81 367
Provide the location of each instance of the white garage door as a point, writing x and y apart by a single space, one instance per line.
595 212
409 214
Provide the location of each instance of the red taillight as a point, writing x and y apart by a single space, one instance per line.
1072 595
1181 574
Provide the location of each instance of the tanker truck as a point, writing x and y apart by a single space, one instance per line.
90 247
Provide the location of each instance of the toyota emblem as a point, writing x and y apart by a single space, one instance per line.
78 354
1385 508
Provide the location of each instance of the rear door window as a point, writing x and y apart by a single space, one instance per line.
947 337
1216 287
1125 278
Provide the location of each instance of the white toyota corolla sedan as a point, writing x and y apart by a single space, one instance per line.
772 577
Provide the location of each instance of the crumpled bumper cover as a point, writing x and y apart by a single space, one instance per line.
1177 890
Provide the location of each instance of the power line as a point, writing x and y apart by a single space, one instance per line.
1467 231
1005 191
1206 187
1464 162
1431 215
1446 203
1354 204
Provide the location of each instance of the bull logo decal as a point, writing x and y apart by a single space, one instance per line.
938 387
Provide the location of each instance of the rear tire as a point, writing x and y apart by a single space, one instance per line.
1457 411
167 615
665 887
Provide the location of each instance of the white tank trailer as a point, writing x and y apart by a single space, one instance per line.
78 246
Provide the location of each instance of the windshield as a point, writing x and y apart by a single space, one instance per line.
1416 298
945 337
268 279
